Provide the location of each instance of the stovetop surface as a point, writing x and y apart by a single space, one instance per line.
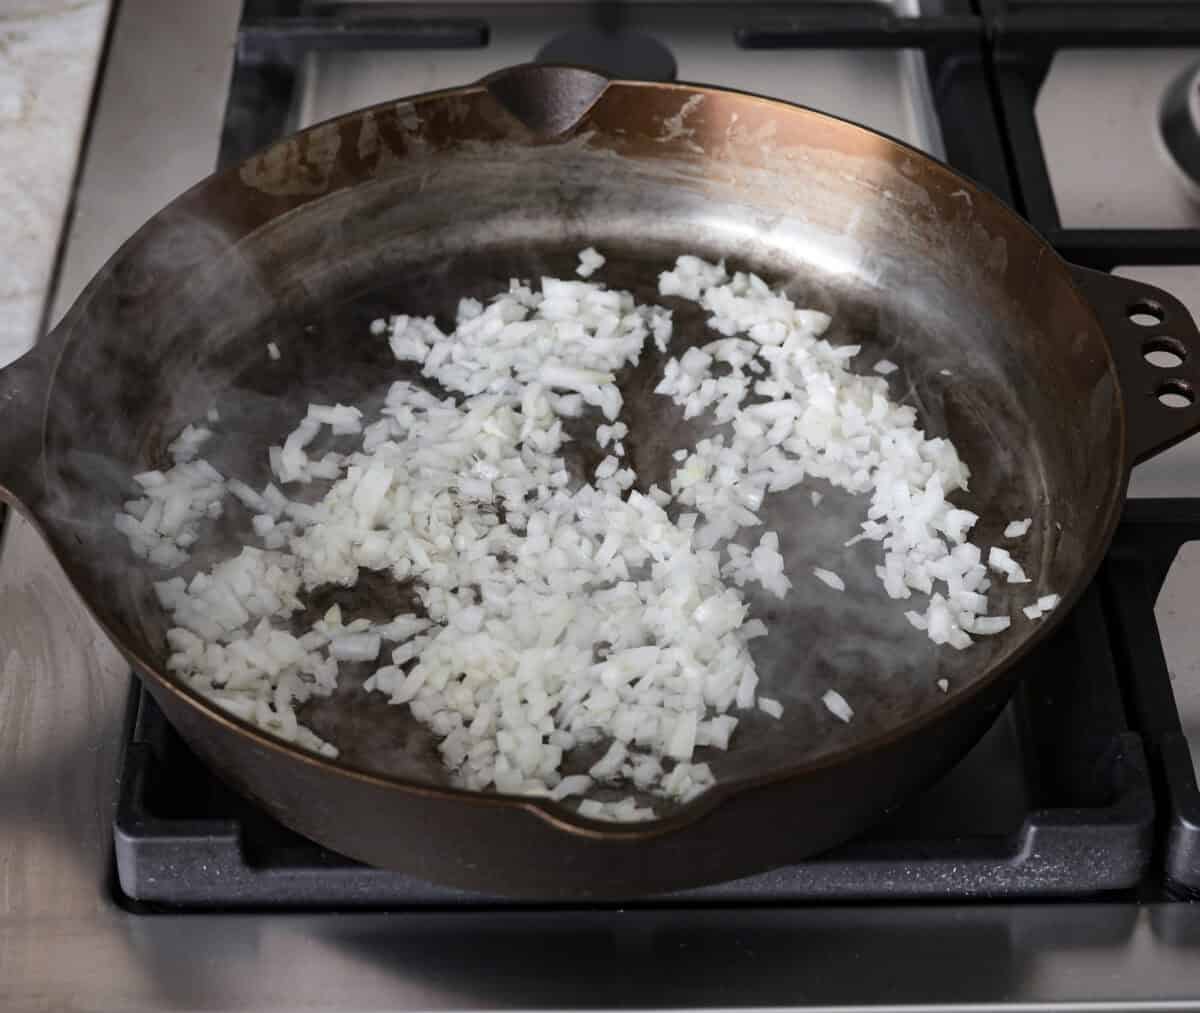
70 937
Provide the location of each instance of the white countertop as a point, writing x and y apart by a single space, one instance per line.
49 52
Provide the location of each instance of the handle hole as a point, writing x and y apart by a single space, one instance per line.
1146 313
1175 394
1164 352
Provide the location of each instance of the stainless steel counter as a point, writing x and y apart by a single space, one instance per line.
66 944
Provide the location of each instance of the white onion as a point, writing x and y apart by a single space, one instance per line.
990 625
589 262
836 704
1017 529
829 578
356 647
592 614
186 445
1002 562
771 707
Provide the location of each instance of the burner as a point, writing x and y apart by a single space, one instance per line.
614 51
1179 126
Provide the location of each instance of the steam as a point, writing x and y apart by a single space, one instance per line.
183 320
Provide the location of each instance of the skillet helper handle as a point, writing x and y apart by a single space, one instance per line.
24 385
1162 403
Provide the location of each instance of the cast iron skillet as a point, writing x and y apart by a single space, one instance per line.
1033 366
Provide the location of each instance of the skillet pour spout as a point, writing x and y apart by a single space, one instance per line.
1036 369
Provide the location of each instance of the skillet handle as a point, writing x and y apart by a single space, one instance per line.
24 386
1162 403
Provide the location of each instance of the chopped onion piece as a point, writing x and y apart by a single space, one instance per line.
578 784
771 707
836 704
356 647
589 262
1017 529
829 578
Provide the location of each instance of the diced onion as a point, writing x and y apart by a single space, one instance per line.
558 615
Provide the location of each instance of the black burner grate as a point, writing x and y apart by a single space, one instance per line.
1055 801
1146 544
1024 36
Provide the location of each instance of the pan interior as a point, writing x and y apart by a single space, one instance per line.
1013 384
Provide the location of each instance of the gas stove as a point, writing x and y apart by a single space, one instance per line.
1054 867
